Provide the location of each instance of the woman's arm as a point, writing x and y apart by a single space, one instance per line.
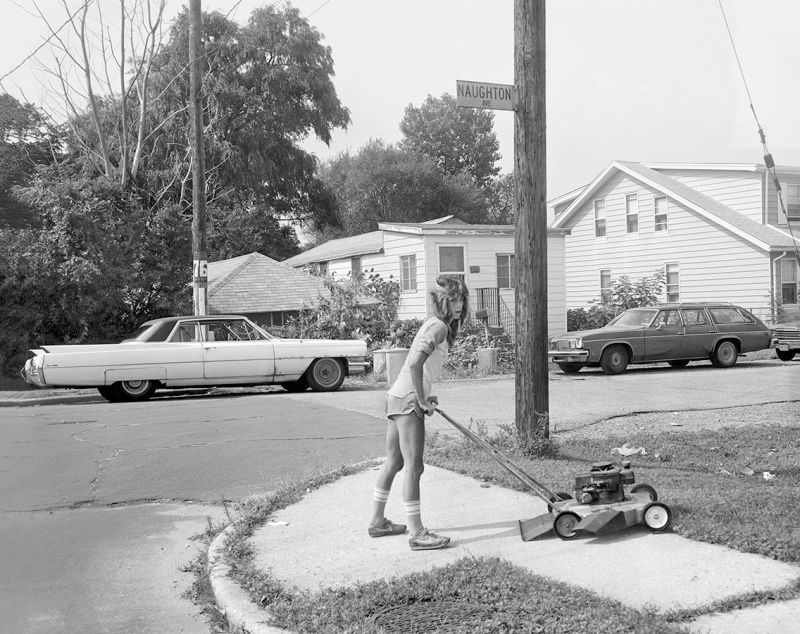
432 333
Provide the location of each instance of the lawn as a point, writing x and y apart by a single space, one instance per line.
713 479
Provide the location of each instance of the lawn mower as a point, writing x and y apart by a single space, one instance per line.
600 502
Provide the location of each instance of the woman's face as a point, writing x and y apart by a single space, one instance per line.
456 307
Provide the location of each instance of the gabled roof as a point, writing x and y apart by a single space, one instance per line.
364 243
765 237
255 283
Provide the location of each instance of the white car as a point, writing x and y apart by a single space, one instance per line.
177 352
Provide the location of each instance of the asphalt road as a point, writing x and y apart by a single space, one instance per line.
98 501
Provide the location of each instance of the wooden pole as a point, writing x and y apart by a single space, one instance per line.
199 248
530 170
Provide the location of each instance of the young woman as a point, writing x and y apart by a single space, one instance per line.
408 401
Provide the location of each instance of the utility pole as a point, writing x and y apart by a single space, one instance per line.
530 170
197 146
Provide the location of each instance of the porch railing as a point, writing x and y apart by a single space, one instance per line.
499 314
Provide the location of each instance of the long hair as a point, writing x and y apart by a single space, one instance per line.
449 288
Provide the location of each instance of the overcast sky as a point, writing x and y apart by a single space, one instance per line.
637 80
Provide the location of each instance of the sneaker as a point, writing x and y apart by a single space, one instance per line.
423 539
386 527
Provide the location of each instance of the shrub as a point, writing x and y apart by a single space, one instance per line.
624 294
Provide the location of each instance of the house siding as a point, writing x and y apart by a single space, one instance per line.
742 191
395 245
714 264
772 206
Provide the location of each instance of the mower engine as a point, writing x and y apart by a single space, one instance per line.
604 483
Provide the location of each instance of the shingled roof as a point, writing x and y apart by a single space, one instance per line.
255 283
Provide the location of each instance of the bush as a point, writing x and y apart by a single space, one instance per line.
624 294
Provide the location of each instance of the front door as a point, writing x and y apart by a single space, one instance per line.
230 357
663 339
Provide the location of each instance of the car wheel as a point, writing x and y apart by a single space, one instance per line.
565 523
615 360
570 368
109 393
725 355
657 517
785 355
325 375
645 488
134 390
300 385
679 364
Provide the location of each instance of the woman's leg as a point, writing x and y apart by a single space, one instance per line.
411 436
392 464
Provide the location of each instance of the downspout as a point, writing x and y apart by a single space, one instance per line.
773 290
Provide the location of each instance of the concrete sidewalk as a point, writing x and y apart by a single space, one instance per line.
667 572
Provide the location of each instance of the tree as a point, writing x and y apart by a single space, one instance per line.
383 183
459 140
25 142
268 86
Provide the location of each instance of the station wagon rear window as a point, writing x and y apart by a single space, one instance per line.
728 316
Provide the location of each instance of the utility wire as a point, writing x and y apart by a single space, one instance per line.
768 160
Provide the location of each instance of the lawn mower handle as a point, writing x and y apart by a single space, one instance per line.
536 487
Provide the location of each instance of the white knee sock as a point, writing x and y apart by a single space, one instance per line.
413 508
380 497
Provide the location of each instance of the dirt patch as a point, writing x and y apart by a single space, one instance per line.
787 414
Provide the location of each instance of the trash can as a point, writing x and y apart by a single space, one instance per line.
395 358
487 359
379 362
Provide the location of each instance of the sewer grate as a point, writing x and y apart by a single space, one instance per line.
428 616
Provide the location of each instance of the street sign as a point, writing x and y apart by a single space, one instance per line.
479 94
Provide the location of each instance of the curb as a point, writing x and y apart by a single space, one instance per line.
51 400
232 600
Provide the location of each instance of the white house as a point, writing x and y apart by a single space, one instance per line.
717 231
415 254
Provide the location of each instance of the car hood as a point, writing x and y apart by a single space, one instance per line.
593 332
786 325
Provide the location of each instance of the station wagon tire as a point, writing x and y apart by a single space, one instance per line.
657 517
615 360
645 488
785 355
134 390
679 364
325 375
565 523
570 368
725 355
300 385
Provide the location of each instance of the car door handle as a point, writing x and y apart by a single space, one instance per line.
209 347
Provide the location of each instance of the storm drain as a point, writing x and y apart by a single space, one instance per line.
428 616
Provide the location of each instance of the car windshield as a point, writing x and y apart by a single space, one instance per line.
634 317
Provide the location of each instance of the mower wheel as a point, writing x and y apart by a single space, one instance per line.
565 523
657 517
560 495
645 488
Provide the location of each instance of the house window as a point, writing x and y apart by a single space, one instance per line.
408 273
599 218
605 286
661 213
673 282
451 261
788 273
322 269
792 200
506 276
355 267
632 212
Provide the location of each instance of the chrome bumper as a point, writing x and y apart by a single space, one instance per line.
359 365
568 356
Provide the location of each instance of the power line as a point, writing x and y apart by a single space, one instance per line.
768 160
